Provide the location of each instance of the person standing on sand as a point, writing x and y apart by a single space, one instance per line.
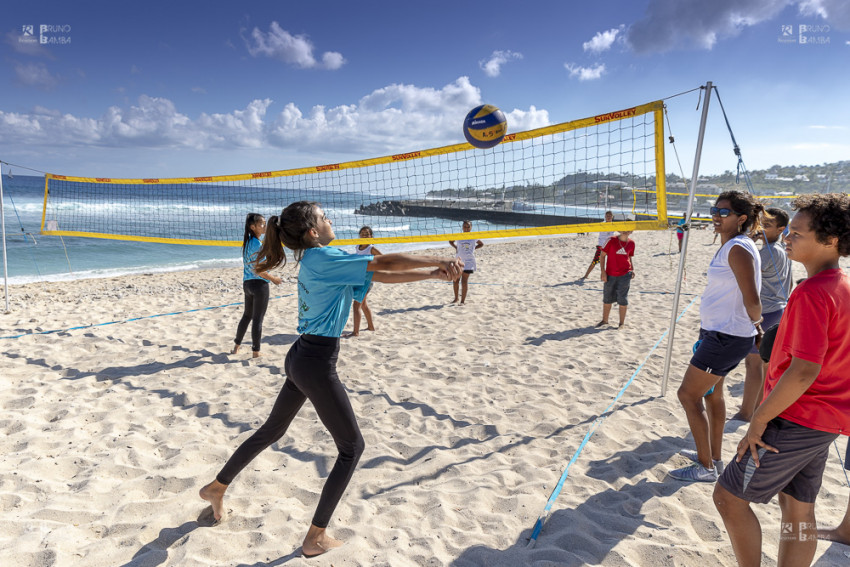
363 250
776 285
466 252
254 284
328 280
730 319
618 269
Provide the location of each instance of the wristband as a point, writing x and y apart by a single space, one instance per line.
759 322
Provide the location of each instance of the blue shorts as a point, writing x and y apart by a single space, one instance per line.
719 353
616 288
797 469
770 319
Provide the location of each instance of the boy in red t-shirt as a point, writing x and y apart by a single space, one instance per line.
618 269
807 393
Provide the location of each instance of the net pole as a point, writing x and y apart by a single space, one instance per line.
684 254
3 229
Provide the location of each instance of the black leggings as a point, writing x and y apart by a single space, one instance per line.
256 302
310 374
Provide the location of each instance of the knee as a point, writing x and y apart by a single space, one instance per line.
353 448
723 500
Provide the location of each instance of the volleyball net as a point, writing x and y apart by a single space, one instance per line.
553 180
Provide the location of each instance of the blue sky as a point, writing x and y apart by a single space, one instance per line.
194 88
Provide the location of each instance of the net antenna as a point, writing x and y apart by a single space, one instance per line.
684 254
3 229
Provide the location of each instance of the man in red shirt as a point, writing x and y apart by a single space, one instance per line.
618 269
807 394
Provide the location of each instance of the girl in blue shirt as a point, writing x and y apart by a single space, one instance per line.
329 280
254 284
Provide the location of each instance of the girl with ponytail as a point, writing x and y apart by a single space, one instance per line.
255 284
329 279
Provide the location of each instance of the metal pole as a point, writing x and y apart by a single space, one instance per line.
684 253
3 229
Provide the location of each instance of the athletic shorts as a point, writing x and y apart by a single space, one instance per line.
680 235
796 470
597 255
469 271
770 319
719 353
617 289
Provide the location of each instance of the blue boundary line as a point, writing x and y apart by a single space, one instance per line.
133 319
538 526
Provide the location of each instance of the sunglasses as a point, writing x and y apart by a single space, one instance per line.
722 213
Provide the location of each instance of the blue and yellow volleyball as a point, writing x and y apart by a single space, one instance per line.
485 126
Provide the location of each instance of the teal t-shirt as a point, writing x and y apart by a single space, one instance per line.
329 279
248 258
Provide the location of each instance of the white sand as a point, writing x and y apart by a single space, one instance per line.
470 415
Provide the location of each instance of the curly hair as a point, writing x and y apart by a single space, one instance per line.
744 204
829 216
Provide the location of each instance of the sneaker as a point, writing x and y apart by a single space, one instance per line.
692 455
694 473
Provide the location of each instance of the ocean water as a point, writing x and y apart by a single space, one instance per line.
33 257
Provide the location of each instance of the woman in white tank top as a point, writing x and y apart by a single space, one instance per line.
730 318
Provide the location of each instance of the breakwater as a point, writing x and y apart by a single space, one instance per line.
498 212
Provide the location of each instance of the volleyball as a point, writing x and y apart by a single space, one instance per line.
485 126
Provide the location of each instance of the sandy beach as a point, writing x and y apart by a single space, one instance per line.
470 415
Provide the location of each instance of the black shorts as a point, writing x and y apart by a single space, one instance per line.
616 288
718 353
797 469
469 271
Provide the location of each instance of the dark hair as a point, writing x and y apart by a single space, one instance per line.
829 217
290 229
250 219
744 204
366 227
778 214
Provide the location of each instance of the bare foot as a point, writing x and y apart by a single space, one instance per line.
454 300
601 324
256 354
235 349
349 335
317 542
740 417
214 494
372 328
836 535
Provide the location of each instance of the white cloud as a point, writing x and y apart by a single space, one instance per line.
585 73
669 24
392 119
293 49
602 41
199 90
27 45
825 127
35 75
492 67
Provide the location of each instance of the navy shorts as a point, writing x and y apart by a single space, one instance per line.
770 319
718 353
796 470
616 288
